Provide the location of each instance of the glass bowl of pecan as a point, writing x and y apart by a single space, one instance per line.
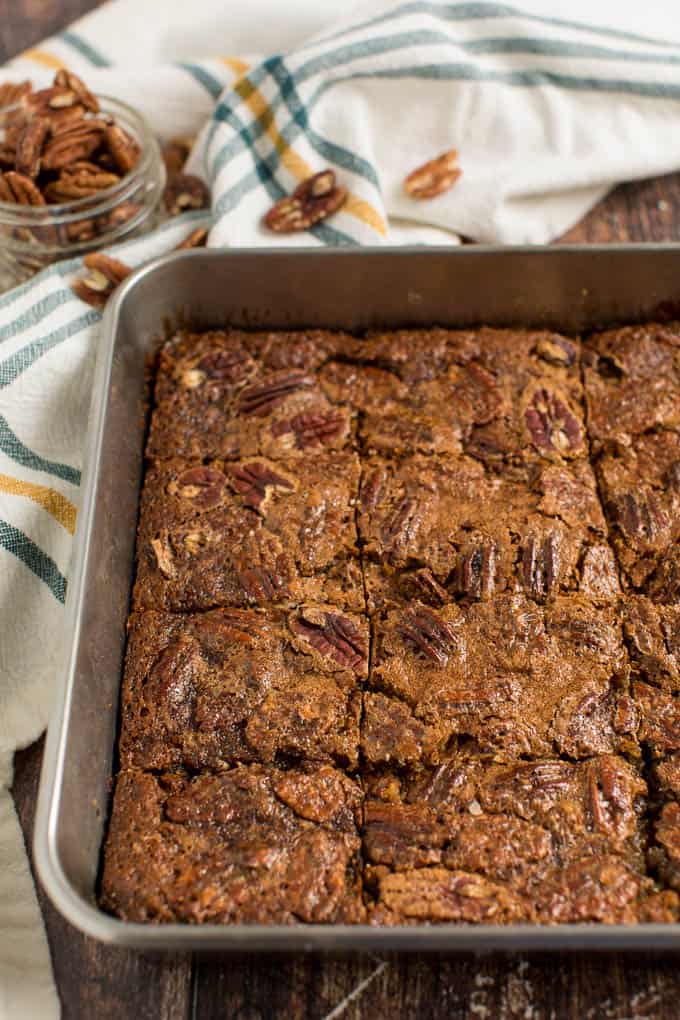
77 172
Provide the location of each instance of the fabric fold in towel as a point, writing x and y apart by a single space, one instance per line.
26 984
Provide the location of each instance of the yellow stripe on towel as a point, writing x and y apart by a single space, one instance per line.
294 163
42 57
58 506
239 67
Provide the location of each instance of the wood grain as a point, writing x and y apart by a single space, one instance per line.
646 210
99 982
23 23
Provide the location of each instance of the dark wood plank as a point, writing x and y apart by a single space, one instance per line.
535 988
96 981
25 22
275 986
646 210
411 987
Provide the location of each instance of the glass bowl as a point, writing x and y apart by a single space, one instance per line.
34 236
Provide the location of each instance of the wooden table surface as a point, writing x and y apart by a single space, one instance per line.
98 983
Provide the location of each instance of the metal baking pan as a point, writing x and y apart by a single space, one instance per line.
571 288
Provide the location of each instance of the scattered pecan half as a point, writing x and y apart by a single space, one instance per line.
428 632
313 200
184 192
104 275
256 480
263 396
552 426
333 636
434 177
95 289
175 154
198 238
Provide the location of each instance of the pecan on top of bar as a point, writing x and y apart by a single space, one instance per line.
632 378
512 677
235 394
252 532
504 396
251 845
475 534
237 685
553 840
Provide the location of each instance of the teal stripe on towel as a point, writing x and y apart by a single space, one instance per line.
85 49
211 84
20 360
32 556
483 11
12 447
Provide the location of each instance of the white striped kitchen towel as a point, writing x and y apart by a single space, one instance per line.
546 112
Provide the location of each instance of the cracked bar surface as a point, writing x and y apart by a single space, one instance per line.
446 528
242 696
632 380
251 845
392 575
252 532
505 396
228 686
514 677
545 841
230 394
